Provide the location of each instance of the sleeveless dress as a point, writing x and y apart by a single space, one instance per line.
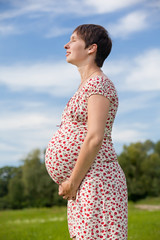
100 208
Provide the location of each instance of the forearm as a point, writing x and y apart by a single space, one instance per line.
88 152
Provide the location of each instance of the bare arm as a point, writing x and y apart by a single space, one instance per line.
98 108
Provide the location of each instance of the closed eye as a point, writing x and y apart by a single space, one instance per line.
72 39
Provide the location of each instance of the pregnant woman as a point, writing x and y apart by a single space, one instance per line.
80 157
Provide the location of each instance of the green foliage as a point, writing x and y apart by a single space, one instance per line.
30 185
16 190
6 173
141 164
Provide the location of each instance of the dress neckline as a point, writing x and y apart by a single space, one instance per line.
97 76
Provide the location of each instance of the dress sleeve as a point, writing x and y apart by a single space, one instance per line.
101 86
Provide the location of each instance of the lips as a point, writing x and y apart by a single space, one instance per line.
67 54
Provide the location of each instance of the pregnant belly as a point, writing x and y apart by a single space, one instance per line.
62 153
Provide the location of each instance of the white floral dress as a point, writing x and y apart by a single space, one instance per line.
100 208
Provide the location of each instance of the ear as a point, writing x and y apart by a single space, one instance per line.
92 48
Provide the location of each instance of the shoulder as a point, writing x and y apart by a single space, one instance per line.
101 81
102 85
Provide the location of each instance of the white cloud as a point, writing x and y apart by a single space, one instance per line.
6 147
66 7
50 11
19 8
59 79
25 121
58 31
40 15
27 129
154 4
144 76
140 73
7 29
105 6
124 135
132 22
48 8
138 102
117 67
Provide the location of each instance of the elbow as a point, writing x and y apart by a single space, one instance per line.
96 140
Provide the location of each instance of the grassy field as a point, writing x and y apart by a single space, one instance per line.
51 224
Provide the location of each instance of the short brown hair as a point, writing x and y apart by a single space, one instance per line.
97 34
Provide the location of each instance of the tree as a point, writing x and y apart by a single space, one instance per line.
30 176
6 174
30 185
16 190
39 189
141 164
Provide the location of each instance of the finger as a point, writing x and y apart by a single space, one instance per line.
66 198
60 188
69 198
61 193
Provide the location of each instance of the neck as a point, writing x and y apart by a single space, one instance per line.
88 71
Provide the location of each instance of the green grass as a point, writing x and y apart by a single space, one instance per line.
150 201
34 224
51 223
143 224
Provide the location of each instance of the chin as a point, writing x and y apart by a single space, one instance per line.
70 61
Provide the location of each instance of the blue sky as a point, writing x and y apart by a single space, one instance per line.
36 82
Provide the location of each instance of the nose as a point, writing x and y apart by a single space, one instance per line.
66 46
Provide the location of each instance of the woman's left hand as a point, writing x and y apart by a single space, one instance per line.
67 190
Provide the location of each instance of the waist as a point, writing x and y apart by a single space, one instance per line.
73 125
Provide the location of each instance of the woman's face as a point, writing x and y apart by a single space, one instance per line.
76 52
